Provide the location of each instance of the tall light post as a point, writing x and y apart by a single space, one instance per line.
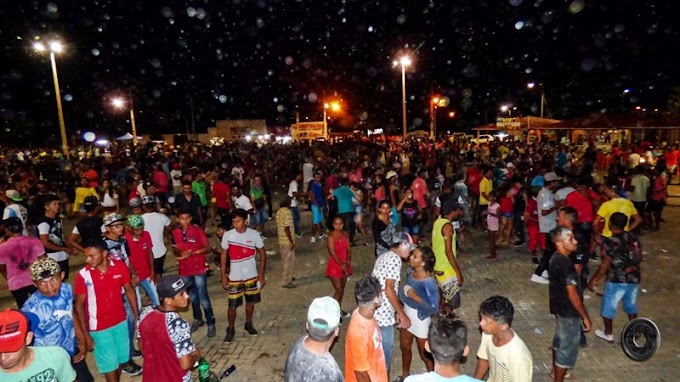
623 98
433 116
335 107
119 103
531 85
404 61
55 47
507 108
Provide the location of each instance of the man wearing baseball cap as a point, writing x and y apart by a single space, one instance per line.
309 359
20 362
50 313
14 208
387 270
166 357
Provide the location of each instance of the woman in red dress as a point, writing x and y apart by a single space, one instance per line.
339 264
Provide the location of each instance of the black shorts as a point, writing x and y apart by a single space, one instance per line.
158 265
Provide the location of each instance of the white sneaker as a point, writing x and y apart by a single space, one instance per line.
312 240
600 334
538 279
545 275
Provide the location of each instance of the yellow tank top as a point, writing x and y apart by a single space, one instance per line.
442 263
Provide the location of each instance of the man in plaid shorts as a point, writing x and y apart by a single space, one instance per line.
243 277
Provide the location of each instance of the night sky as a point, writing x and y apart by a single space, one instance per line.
266 59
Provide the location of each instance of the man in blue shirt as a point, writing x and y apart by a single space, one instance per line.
50 311
344 195
318 207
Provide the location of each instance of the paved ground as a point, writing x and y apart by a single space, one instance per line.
280 318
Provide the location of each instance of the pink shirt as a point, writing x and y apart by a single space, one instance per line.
18 253
419 188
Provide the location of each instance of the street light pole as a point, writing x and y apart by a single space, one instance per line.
119 103
404 61
55 47
403 100
623 99
60 111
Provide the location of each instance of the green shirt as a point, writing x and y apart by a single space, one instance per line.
50 363
199 189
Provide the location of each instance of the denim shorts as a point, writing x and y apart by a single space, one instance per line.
111 347
615 292
260 216
411 229
507 215
566 341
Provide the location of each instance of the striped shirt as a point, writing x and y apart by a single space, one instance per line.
241 249
284 218
103 302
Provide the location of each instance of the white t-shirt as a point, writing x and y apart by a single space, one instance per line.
176 176
242 202
19 211
307 172
237 172
511 362
108 200
293 188
44 229
562 193
242 250
387 266
546 201
154 224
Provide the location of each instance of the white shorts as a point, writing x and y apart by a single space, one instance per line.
418 328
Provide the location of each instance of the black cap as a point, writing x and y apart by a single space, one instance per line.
170 286
91 201
13 224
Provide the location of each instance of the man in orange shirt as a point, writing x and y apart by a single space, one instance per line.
364 357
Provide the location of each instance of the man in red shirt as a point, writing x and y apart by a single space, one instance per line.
165 337
99 307
141 257
190 245
222 193
583 201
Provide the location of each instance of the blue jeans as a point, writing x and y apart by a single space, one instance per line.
296 219
260 216
198 294
130 324
150 289
387 334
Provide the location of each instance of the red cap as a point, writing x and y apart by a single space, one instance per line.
13 330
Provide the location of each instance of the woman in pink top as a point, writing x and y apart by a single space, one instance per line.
657 200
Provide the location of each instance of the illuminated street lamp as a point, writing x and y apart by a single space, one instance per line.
404 61
532 85
55 47
119 103
505 108
335 107
623 98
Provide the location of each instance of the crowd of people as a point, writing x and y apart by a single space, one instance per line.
425 199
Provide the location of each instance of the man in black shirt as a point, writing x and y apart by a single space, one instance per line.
565 303
89 227
189 201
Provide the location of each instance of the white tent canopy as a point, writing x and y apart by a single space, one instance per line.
127 137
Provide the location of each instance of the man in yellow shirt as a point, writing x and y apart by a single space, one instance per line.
616 204
485 187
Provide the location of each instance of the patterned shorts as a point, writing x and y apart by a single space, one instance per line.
237 289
